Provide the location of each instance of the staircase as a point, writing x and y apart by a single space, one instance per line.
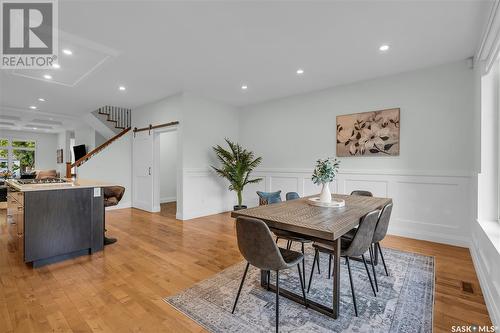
120 118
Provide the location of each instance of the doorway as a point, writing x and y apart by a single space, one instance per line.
156 169
167 173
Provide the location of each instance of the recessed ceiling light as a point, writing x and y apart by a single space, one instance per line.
56 66
67 52
384 47
35 128
47 77
244 87
300 71
33 107
122 88
41 99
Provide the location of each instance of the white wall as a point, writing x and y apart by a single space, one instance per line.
203 123
429 182
206 123
113 165
85 135
46 146
63 142
168 166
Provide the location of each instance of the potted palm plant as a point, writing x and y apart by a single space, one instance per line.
236 165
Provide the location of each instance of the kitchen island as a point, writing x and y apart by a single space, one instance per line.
56 219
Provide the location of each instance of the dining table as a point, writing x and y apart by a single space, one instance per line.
321 224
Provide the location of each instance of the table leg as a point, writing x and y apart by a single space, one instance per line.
336 279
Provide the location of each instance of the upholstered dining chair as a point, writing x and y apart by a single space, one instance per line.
362 193
355 247
351 232
267 198
292 196
378 236
257 246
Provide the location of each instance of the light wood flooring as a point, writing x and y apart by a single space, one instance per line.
121 289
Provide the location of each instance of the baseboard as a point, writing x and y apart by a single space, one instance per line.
121 205
194 215
168 199
436 237
492 303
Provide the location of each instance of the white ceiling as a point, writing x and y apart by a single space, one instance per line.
157 49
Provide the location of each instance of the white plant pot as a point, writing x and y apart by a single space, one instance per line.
325 195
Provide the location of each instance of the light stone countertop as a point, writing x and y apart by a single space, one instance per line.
76 184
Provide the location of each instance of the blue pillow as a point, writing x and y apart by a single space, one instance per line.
269 197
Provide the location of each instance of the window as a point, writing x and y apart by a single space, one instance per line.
17 156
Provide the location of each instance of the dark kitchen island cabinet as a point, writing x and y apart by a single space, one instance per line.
58 222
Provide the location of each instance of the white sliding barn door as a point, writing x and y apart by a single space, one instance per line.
142 170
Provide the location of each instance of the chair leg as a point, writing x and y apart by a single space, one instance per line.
302 285
312 269
277 300
382 257
369 276
277 239
241 285
288 245
268 280
352 287
303 264
317 260
373 268
329 266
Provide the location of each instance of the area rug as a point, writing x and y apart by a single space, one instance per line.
404 302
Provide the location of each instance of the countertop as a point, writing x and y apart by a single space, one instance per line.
72 184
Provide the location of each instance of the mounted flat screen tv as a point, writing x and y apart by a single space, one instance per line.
79 151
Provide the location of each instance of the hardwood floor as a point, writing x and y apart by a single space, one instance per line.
121 289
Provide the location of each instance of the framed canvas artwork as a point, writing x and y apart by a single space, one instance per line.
374 133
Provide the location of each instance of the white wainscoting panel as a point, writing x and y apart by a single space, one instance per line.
429 206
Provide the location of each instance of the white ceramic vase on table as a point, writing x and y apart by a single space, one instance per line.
325 195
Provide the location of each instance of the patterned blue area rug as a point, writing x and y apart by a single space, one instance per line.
404 302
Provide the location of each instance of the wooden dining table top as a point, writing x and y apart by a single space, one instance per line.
325 223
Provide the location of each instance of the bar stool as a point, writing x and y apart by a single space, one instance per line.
112 196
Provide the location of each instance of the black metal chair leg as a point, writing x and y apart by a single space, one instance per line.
303 264
241 285
352 287
317 260
277 300
329 266
277 239
373 268
312 270
288 245
268 280
369 276
382 257
302 285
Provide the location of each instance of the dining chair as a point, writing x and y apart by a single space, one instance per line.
362 193
379 235
351 232
267 198
292 196
355 247
256 244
